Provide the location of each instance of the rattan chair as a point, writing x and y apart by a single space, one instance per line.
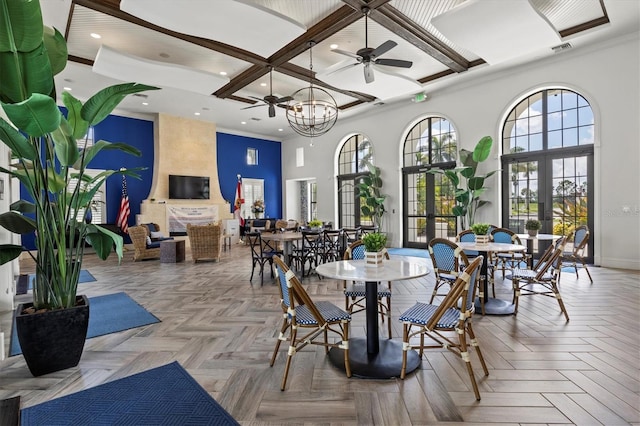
448 325
448 260
205 241
355 291
143 250
508 260
542 280
576 257
305 322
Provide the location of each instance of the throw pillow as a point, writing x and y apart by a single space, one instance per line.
148 240
156 234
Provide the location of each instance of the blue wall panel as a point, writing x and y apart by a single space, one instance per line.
232 160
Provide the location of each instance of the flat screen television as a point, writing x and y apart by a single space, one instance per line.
188 187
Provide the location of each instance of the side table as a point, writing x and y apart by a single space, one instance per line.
172 251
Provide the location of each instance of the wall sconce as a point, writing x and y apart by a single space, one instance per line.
252 156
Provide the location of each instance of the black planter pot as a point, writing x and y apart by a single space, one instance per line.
53 340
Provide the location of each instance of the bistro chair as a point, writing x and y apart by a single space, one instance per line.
305 322
354 291
351 234
508 260
448 260
367 229
332 248
262 252
448 325
309 251
542 280
577 255
467 236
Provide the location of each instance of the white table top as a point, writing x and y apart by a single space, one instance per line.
491 246
541 237
392 270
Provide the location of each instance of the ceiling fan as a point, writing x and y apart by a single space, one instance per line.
270 99
370 56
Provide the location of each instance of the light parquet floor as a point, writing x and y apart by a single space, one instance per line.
222 330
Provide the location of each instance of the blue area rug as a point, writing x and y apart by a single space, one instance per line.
107 314
409 252
85 277
166 395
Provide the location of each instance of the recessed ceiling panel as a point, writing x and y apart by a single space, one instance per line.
126 67
497 30
248 26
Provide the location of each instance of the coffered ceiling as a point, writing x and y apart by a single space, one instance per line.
212 58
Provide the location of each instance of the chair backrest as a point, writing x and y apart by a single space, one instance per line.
292 293
352 234
310 239
461 296
255 242
355 251
204 237
446 256
504 235
580 239
368 229
138 236
333 240
466 236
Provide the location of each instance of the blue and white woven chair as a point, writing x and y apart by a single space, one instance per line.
542 279
305 322
354 291
448 259
509 260
447 325
576 257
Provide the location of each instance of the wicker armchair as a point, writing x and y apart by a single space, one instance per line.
143 250
205 241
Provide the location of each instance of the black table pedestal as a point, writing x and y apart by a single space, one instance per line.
386 364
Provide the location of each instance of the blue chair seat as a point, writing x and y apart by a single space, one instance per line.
357 289
328 310
421 313
155 244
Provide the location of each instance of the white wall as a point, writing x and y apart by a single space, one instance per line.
606 74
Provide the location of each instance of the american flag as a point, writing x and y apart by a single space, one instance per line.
125 211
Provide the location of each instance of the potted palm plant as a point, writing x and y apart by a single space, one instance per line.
51 165
374 248
371 196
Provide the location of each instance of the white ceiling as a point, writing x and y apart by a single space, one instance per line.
256 32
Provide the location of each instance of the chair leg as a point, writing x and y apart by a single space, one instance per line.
285 325
464 353
405 348
516 295
292 351
556 292
584 265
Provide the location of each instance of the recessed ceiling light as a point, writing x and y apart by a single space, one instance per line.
196 113
223 73
279 130
243 122
334 46
145 103
96 35
263 84
68 89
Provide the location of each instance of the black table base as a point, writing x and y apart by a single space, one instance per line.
495 307
386 364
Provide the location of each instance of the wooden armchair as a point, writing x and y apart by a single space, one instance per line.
205 241
143 250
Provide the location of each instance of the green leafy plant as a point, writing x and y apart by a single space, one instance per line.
469 185
315 223
48 160
480 228
374 241
371 196
532 225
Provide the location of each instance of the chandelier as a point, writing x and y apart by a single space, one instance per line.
312 111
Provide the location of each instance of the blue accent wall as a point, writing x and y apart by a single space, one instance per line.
232 160
135 132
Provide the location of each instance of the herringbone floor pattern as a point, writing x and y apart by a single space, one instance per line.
222 330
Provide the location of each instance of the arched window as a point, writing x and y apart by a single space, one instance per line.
428 199
354 156
547 162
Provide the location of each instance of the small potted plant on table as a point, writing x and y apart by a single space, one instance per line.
374 248
480 230
315 224
532 226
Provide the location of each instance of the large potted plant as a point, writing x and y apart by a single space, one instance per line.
469 185
51 165
371 196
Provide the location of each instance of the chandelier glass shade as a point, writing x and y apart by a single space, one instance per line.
312 111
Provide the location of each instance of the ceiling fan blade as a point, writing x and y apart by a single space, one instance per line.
253 106
394 63
342 68
383 48
283 99
368 73
257 99
272 110
349 54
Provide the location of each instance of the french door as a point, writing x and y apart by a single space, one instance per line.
553 187
428 200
